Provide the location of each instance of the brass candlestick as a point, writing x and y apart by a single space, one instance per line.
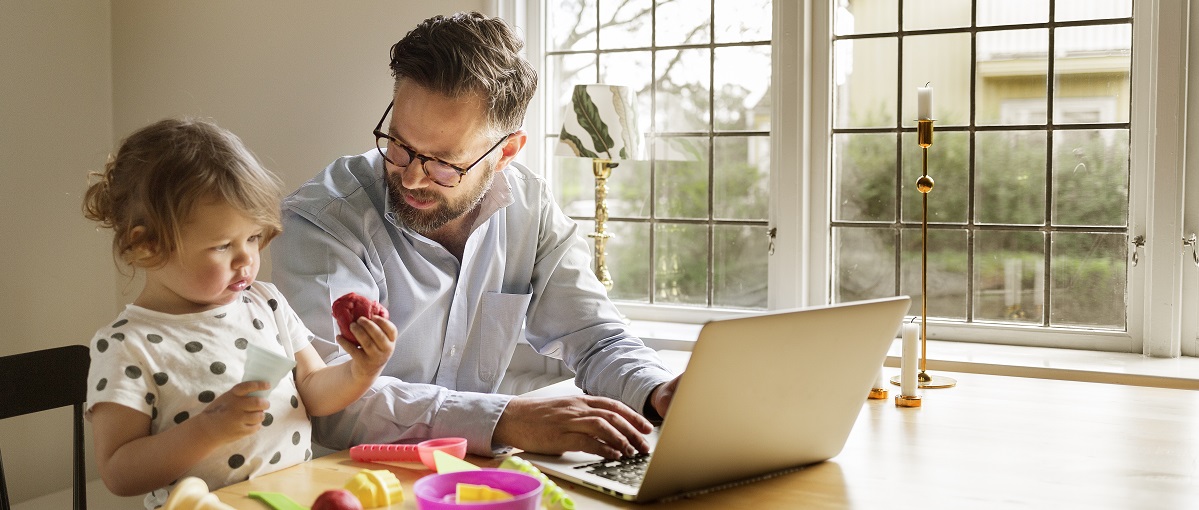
602 169
924 138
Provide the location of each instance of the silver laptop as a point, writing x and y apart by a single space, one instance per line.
761 395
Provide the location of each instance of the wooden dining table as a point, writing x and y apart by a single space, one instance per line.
989 442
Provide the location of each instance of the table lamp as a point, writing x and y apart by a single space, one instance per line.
601 125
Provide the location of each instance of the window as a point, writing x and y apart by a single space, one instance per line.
1057 148
690 217
1028 222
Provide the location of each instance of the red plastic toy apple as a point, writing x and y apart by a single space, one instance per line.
336 499
350 307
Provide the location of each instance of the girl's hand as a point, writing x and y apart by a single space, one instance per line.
376 341
235 414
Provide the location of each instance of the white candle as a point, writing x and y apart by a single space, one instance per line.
907 368
924 103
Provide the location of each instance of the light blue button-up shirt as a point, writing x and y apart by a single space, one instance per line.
524 265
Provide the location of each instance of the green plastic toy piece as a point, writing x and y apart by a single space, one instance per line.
277 500
553 496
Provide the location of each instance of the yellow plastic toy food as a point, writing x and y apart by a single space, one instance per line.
191 493
376 488
472 493
552 495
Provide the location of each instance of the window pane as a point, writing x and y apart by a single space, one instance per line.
626 24
1010 182
681 268
681 177
865 16
627 258
571 24
742 177
682 100
564 72
1090 177
1010 77
1009 283
948 166
947 270
1091 74
741 261
628 192
942 61
574 188
631 69
928 14
574 185
1012 12
742 89
864 82
683 22
865 263
742 20
1089 275
1074 10
864 177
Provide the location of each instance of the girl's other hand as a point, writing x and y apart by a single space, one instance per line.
235 414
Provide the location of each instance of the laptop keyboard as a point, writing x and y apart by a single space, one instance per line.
627 470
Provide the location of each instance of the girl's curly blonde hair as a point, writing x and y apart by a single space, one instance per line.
161 172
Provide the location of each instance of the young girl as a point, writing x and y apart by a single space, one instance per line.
192 208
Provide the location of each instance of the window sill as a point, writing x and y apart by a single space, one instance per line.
1017 361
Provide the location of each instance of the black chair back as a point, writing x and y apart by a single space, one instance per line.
40 381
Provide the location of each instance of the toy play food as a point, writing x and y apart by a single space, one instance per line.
474 493
554 496
191 493
336 499
376 487
350 307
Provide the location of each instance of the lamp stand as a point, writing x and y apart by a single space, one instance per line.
602 169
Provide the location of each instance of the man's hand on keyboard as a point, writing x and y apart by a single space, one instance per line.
592 424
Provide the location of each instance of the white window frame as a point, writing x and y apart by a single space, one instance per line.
1189 328
1163 290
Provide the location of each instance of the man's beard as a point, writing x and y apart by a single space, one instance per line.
428 221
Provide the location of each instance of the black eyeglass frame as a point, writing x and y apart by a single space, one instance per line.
416 156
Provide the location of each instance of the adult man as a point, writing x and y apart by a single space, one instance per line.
464 247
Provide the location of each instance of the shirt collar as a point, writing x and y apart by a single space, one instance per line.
496 198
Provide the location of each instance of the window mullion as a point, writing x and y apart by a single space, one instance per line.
1157 151
796 272
1190 224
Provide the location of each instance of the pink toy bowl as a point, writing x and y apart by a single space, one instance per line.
436 492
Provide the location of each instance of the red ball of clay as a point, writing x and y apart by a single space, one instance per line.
350 307
336 499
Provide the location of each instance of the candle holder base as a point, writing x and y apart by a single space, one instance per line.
930 381
907 401
878 394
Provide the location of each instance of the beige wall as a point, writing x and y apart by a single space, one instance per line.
55 126
302 82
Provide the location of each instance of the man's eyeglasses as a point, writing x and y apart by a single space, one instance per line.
438 171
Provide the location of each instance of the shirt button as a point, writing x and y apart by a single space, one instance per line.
454 351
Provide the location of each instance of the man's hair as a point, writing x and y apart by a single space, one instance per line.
469 53
162 171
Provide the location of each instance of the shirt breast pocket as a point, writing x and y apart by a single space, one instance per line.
502 319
